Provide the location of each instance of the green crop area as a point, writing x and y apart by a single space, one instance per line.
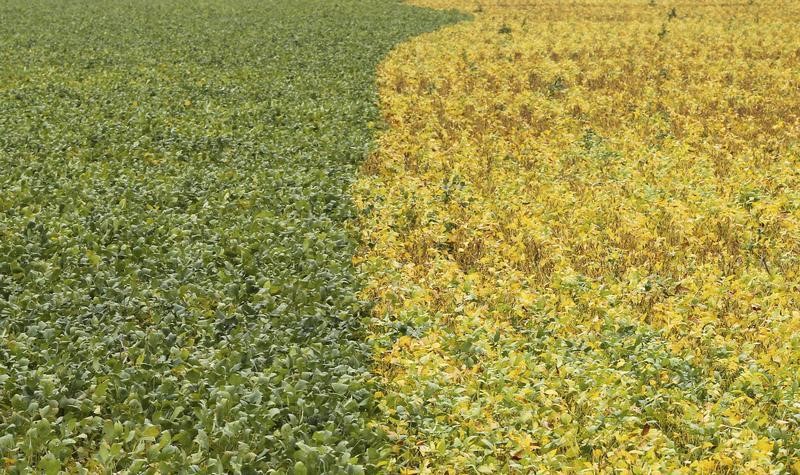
177 291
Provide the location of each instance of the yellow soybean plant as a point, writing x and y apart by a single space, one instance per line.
582 231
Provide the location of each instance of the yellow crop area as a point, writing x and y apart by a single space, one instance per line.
582 230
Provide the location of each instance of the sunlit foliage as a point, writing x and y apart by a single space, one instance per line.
177 293
583 235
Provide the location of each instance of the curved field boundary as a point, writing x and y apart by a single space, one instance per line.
176 287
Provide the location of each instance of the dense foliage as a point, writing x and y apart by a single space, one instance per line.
583 230
176 285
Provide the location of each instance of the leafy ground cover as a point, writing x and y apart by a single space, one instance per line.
582 228
176 285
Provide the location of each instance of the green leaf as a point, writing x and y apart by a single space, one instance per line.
6 441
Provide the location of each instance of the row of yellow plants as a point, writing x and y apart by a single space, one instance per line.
582 232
